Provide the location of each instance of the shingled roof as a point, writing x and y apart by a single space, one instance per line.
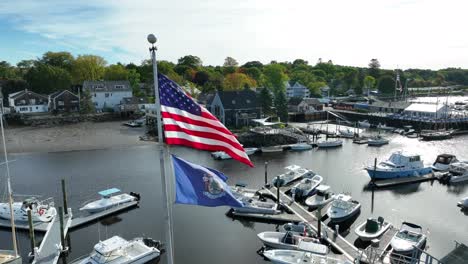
243 99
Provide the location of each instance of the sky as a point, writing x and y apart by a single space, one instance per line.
402 34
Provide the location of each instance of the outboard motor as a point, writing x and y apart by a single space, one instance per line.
152 243
136 195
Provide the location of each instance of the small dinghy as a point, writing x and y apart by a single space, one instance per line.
301 146
306 187
407 239
109 198
293 173
300 229
322 197
117 250
372 228
290 241
463 204
343 208
284 256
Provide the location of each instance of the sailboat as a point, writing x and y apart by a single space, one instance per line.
9 256
331 143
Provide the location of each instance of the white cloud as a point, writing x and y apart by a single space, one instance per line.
411 33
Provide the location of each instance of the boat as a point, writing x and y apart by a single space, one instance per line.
443 161
301 146
377 141
459 178
293 173
364 124
346 133
408 239
385 127
399 131
272 149
109 198
300 229
330 144
288 240
436 135
221 155
322 197
400 164
372 228
41 211
463 204
133 123
458 168
412 135
254 205
120 251
285 256
306 187
342 208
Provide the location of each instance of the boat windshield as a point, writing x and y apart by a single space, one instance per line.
444 159
408 235
341 204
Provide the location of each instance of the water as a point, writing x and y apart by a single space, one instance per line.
206 235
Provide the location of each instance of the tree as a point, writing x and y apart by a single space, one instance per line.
252 72
134 79
86 104
7 71
190 61
298 62
266 101
303 77
275 77
201 78
374 68
281 106
23 67
61 59
43 78
88 67
314 88
386 84
251 64
237 81
369 82
115 72
215 82
230 62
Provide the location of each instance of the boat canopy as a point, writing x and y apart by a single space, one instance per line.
109 192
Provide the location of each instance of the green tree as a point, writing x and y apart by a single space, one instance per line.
88 67
115 72
275 77
386 84
374 68
303 77
86 104
252 72
266 101
190 61
134 79
369 82
43 78
201 77
230 62
238 81
251 64
7 71
23 67
314 88
61 59
281 106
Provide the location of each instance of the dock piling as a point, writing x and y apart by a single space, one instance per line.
277 190
64 193
266 172
62 230
319 222
31 233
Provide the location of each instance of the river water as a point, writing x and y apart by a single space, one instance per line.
206 235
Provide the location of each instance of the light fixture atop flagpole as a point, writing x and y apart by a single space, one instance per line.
152 39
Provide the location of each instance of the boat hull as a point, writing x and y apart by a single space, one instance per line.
364 236
106 203
386 174
343 218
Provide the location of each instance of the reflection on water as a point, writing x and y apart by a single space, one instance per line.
206 235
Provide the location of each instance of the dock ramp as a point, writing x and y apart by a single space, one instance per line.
457 256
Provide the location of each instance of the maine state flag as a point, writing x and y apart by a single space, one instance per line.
199 185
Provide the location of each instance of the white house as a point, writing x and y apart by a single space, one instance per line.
107 94
296 90
431 111
28 102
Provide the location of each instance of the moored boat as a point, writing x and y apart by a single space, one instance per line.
306 187
408 239
436 135
42 211
301 146
117 250
346 133
293 173
272 149
343 208
322 197
463 203
285 256
330 143
364 124
109 198
300 229
443 162
372 228
377 141
221 155
385 127
399 165
288 240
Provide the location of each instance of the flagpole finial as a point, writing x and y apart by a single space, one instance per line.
151 39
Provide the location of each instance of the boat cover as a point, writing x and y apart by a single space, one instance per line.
108 192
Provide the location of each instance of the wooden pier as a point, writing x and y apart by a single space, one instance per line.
384 243
404 180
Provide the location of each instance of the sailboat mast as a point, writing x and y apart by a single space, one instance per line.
10 193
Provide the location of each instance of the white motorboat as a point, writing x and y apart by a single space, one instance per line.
300 229
117 250
443 162
412 135
272 149
255 206
288 240
407 239
364 124
342 208
322 197
372 228
285 256
42 211
463 203
133 123
385 127
221 155
109 198
458 168
377 141
399 165
459 178
306 187
293 173
346 133
301 146
330 143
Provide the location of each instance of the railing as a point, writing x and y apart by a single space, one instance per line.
418 256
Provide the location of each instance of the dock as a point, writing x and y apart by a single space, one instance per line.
457 256
51 246
269 218
384 244
404 180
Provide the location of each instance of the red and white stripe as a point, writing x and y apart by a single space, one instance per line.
204 132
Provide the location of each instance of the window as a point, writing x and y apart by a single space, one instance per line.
37 107
217 110
99 86
61 103
119 86
32 101
23 102
23 109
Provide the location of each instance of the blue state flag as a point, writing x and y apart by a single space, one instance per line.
199 185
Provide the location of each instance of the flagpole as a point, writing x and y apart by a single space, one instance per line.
167 215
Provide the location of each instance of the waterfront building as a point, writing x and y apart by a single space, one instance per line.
134 104
304 105
107 95
26 101
426 111
64 101
295 89
388 107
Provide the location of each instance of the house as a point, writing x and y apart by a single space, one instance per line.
325 91
235 108
388 107
308 105
293 104
28 102
107 94
295 89
64 101
427 111
134 104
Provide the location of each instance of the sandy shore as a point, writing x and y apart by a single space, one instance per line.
81 136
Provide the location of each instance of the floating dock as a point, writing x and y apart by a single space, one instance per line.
384 244
280 218
457 256
405 180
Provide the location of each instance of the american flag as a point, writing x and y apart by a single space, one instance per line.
190 124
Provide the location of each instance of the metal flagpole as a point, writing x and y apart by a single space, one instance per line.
167 214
